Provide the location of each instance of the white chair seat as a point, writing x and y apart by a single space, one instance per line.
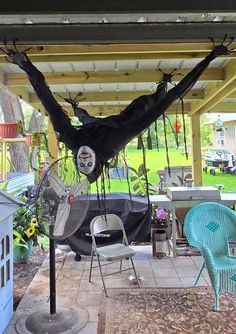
115 252
110 253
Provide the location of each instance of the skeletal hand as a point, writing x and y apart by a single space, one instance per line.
13 55
222 49
74 102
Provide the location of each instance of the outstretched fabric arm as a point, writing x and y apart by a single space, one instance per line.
107 136
58 117
181 88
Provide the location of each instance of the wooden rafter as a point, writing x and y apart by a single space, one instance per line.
214 93
125 96
96 33
109 109
99 77
115 52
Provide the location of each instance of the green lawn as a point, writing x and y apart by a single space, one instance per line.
157 160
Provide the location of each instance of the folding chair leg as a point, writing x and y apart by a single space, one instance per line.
199 273
132 262
120 265
91 265
103 282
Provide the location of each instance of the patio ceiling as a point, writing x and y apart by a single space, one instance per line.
112 56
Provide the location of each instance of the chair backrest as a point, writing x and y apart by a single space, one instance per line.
177 177
107 222
212 225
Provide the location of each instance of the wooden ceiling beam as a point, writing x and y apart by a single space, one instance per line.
109 109
122 96
22 93
115 52
96 33
217 92
78 49
64 58
16 90
99 77
101 49
224 107
232 95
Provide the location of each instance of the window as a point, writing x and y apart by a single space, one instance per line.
221 137
2 246
7 245
2 277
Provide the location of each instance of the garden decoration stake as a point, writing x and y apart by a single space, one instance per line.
100 139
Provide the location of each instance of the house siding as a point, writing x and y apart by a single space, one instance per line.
229 137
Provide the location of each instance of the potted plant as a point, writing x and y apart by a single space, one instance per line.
26 231
160 220
140 182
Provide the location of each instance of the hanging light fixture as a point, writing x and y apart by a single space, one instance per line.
177 126
218 124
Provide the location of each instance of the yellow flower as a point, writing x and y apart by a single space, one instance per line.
30 231
34 222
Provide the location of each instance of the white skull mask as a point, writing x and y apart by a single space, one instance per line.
86 160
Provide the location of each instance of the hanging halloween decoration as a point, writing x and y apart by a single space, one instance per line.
95 143
149 139
177 126
139 143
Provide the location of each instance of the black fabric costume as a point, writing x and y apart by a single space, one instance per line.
107 136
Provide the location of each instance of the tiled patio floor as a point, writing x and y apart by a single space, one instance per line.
73 286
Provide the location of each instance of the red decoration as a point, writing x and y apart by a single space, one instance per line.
71 198
9 130
177 126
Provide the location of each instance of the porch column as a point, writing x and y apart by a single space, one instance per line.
196 149
52 142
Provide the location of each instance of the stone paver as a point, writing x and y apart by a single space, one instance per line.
74 289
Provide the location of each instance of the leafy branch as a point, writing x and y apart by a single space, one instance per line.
139 181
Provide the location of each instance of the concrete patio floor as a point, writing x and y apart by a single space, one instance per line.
74 289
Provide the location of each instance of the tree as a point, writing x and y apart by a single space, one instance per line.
12 112
206 131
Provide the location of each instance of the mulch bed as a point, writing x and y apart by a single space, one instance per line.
25 272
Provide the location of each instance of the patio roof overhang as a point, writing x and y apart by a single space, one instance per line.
111 53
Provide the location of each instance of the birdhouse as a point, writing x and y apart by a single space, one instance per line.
8 206
177 126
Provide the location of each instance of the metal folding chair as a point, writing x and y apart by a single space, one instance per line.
112 252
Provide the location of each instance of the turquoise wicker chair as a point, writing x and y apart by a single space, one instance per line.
209 227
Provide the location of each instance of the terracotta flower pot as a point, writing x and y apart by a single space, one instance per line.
9 130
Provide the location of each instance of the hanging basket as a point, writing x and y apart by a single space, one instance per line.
9 130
